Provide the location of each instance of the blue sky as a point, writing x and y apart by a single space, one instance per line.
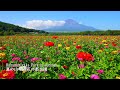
97 19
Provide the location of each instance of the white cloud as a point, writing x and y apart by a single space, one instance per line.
42 24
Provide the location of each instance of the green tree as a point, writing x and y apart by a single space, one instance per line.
6 33
11 32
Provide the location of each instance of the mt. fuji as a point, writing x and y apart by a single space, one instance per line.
71 26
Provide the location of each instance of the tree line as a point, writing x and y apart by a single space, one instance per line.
107 32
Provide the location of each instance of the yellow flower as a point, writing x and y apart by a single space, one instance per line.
2 55
104 41
105 44
107 52
67 48
114 52
117 77
24 71
99 51
59 45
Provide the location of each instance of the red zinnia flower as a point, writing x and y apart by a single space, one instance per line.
78 47
89 57
73 73
49 44
114 44
55 37
3 62
2 48
83 56
65 67
7 74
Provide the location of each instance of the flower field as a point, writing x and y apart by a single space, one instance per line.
60 57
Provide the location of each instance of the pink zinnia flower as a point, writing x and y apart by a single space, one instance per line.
26 57
20 60
61 76
34 59
24 52
107 46
81 66
15 59
100 71
13 55
94 76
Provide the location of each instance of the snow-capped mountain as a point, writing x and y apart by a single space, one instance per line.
71 26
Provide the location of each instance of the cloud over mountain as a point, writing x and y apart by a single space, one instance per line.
68 25
71 26
43 24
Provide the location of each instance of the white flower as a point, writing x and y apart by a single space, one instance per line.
36 69
43 69
8 69
22 68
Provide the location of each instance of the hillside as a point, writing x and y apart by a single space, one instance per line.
11 29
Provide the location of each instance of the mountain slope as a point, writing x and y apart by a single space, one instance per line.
11 27
71 26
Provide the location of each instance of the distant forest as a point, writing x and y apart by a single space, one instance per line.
11 29
107 32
